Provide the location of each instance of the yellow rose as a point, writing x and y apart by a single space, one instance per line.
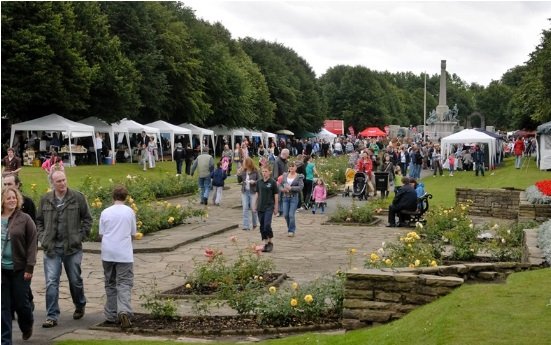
294 302
272 289
294 286
374 257
139 235
170 220
308 299
99 204
353 251
433 263
188 286
130 200
388 262
417 262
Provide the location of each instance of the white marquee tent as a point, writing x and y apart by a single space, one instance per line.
132 126
325 134
103 127
200 132
470 136
223 130
543 140
172 130
266 136
55 123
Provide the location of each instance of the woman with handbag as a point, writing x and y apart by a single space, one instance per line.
290 186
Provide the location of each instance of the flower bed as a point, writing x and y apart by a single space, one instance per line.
540 193
151 215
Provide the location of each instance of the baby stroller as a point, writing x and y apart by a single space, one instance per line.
360 186
349 183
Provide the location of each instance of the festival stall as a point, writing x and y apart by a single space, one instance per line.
543 140
470 136
171 130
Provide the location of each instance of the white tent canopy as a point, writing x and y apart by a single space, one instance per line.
469 136
252 133
223 130
56 123
132 126
266 136
103 127
326 135
543 140
172 130
200 132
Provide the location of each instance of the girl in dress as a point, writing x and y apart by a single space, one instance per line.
319 195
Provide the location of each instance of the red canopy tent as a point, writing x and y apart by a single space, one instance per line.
372 132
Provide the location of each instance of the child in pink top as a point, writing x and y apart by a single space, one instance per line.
451 163
319 195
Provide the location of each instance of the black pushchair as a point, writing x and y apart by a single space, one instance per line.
359 188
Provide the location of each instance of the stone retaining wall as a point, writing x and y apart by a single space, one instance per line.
529 211
378 296
498 203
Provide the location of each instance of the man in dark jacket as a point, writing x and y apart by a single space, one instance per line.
478 159
405 199
179 156
63 220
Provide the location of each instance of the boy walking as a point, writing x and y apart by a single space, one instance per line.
268 202
117 227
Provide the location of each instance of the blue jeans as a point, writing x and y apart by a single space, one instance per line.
518 161
290 204
119 279
179 166
265 219
248 200
52 271
204 186
15 296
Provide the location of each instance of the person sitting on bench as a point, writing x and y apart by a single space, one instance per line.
405 199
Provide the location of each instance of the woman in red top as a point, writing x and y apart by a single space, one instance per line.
365 164
519 150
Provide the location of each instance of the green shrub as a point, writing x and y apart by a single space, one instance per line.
158 308
312 302
362 213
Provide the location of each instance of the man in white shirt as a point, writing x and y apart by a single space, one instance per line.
99 146
117 227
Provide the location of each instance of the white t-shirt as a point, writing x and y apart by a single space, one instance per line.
117 224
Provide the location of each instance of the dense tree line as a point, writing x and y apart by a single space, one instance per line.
157 60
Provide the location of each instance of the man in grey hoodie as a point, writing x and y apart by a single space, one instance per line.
204 163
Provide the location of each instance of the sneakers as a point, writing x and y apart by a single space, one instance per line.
290 234
49 323
124 321
268 247
26 335
313 211
79 313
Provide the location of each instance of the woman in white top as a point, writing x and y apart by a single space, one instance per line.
99 146
248 174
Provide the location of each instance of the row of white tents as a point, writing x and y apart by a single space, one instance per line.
91 125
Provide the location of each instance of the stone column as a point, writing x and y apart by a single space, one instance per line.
442 107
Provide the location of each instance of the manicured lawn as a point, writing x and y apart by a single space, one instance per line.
517 312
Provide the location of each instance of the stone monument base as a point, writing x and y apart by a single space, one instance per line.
440 129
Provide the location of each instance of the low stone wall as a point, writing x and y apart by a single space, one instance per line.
498 203
378 296
529 211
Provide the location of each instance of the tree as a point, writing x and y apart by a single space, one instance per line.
43 69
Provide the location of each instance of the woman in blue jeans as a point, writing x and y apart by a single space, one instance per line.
291 185
248 174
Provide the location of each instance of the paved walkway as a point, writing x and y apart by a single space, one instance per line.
164 258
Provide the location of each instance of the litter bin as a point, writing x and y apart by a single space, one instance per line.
381 182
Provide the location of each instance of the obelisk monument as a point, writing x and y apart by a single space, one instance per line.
442 107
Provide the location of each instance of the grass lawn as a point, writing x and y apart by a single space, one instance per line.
517 312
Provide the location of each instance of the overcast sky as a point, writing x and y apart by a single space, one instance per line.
479 40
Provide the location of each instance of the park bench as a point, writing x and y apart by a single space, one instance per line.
417 215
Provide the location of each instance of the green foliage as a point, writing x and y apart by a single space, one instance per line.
507 243
158 308
151 216
332 171
297 304
452 226
362 213
410 251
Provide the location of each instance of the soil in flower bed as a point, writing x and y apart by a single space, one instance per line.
217 325
269 279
